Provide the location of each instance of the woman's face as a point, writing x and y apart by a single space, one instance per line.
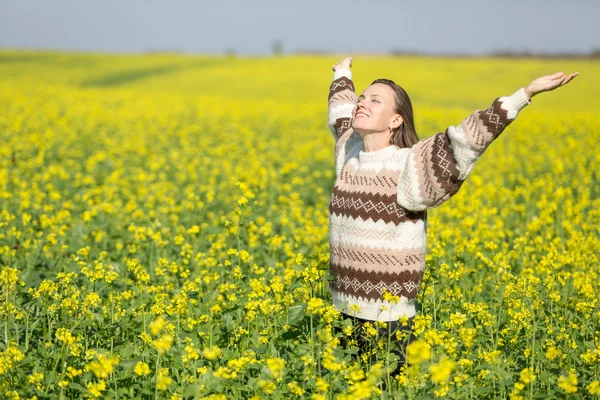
375 110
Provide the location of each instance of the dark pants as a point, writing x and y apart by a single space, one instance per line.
365 345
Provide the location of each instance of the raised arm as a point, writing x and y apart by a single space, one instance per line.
437 166
342 99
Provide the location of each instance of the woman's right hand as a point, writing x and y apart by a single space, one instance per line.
345 63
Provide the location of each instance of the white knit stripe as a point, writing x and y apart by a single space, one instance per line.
514 103
463 153
371 309
406 235
343 110
409 195
338 73
394 163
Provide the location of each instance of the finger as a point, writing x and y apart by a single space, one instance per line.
570 78
557 75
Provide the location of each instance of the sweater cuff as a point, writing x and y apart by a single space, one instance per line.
338 73
515 102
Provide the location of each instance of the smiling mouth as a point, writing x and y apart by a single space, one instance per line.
361 115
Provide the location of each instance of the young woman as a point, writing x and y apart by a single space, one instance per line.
386 179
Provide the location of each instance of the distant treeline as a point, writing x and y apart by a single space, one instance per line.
595 53
501 53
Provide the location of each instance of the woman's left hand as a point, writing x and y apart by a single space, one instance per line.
548 82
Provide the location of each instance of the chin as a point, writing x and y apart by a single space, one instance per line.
359 128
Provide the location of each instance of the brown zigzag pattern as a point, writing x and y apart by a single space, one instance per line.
340 84
427 185
374 206
342 125
444 165
371 286
495 118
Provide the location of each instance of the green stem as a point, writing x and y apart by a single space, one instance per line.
156 378
532 356
7 319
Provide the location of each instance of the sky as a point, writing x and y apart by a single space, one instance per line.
348 26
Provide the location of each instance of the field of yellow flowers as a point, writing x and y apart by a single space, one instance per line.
164 232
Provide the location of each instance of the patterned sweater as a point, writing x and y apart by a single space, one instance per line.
378 216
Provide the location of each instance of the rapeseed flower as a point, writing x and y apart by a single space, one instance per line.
568 383
440 372
141 368
417 352
276 367
162 379
104 365
211 353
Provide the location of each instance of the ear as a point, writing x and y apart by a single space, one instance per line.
396 121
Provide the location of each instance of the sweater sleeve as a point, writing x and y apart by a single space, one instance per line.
342 99
437 166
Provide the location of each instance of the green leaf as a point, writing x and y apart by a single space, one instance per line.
480 391
296 313
77 386
289 335
191 391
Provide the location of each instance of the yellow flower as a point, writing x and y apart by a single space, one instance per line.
315 306
194 229
295 388
64 335
95 389
388 296
72 372
593 388
322 386
527 375
369 329
440 372
162 379
225 373
211 353
418 351
36 377
157 325
145 337
354 308
357 374
163 343
141 368
104 365
457 318
276 367
266 386
552 353
568 383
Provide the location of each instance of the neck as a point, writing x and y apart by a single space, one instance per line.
375 141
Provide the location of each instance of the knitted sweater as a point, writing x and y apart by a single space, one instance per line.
378 216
